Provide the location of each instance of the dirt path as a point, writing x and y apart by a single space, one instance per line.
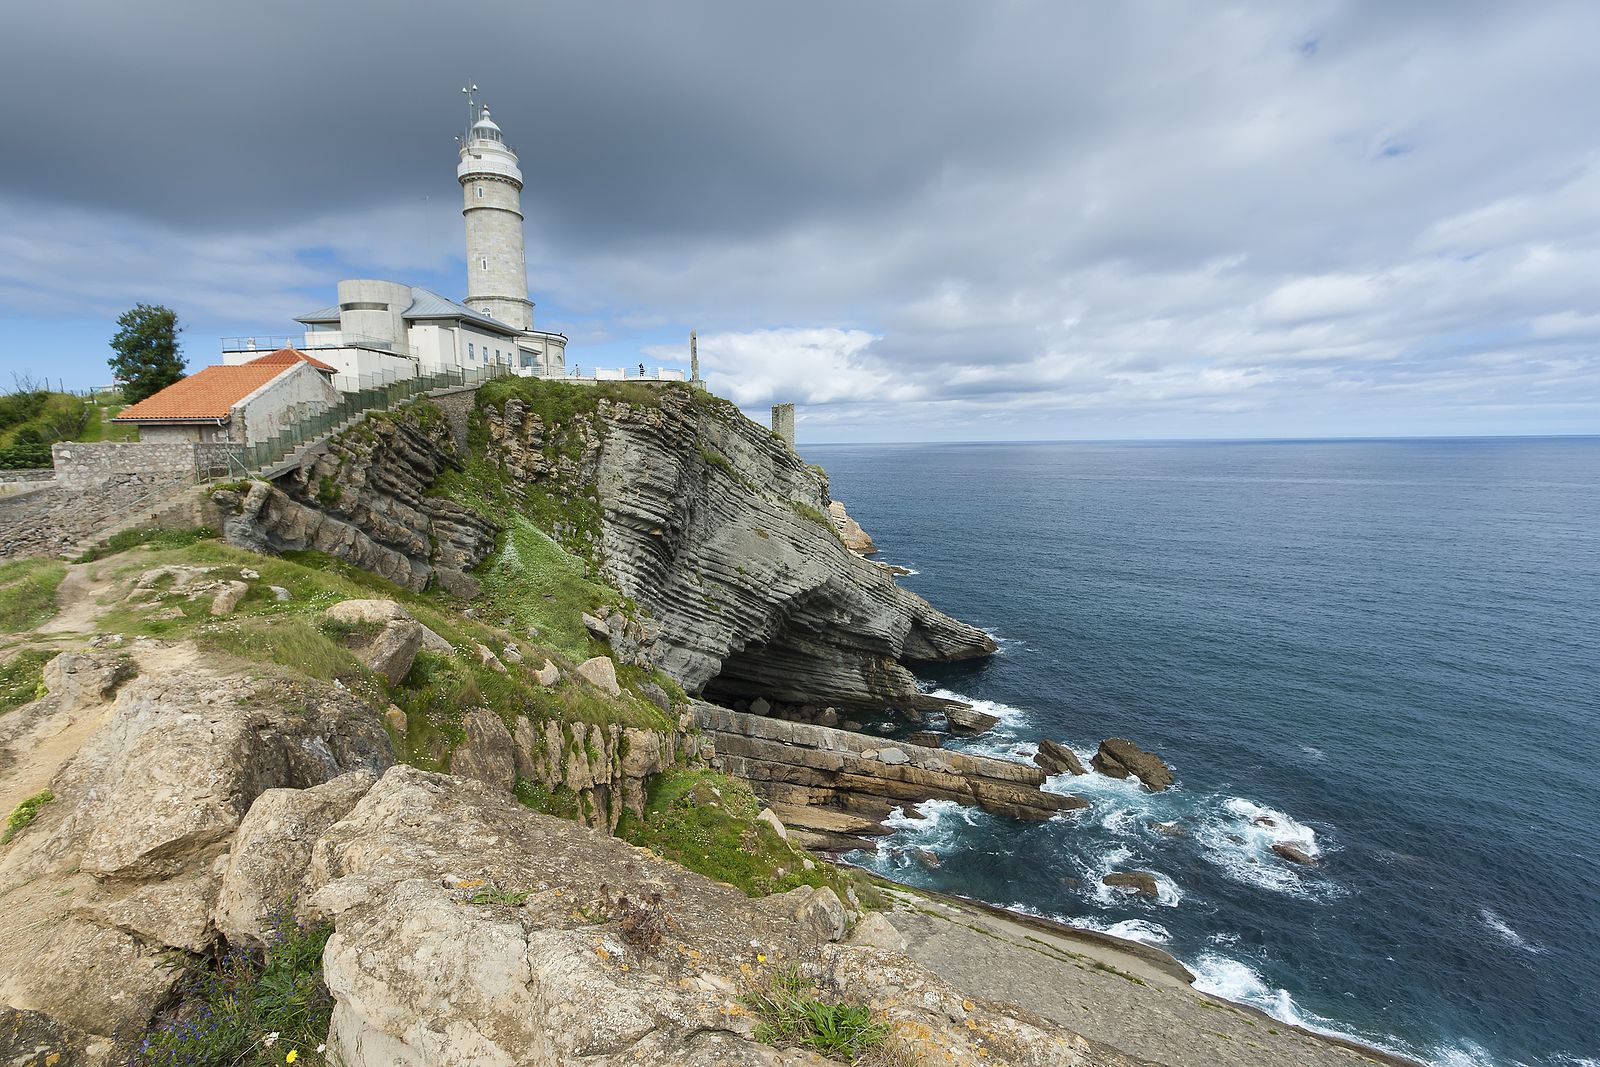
77 601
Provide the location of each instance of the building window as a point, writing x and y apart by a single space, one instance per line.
480 192
484 262
470 353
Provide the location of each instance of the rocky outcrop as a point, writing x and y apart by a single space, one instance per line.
127 862
721 534
1293 853
383 635
1121 758
609 956
1143 883
795 764
1057 758
850 532
364 499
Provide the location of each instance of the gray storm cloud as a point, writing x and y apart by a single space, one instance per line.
1144 217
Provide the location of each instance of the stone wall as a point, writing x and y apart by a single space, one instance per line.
82 466
457 405
783 422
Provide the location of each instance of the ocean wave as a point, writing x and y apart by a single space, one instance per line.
1238 838
931 817
1504 932
1468 1054
1141 930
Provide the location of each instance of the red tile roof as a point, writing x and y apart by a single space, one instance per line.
284 357
206 394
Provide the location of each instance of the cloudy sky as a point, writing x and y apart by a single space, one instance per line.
917 219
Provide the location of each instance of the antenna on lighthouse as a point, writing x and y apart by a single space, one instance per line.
469 90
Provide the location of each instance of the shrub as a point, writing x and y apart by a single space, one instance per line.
249 1010
25 813
791 1014
22 678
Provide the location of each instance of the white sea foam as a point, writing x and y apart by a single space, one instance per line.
1504 932
1467 1054
1238 837
1314 752
1231 980
932 817
1128 929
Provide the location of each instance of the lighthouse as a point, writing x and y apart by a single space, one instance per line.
491 188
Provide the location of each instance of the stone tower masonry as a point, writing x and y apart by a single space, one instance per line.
491 185
783 422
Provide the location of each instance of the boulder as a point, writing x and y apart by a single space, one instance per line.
601 673
596 626
1057 758
850 532
548 675
228 597
894 757
487 753
965 720
487 657
876 931
511 654
760 706
1293 853
1142 883
925 739
388 638
819 912
84 679
396 719
270 851
1170 829
1121 758
773 821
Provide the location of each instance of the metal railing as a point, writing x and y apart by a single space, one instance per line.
314 341
374 393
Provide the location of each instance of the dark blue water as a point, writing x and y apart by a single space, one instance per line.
1385 649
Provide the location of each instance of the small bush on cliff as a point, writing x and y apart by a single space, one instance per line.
28 592
707 822
791 1013
249 1010
22 678
25 813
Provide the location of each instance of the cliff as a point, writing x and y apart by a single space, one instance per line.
722 534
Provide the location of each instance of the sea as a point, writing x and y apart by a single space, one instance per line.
1384 652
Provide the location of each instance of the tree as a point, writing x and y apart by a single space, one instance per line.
146 346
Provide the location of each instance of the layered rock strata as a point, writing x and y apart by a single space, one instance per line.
364 499
722 535
797 765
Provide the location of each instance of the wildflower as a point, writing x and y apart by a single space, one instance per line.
270 1040
321 1049
291 1056
761 957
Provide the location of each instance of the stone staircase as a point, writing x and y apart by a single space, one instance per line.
163 504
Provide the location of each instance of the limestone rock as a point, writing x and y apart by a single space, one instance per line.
965 720
228 597
388 637
488 752
1142 883
1120 758
921 738
271 849
773 821
876 931
1293 853
601 673
511 654
850 532
487 657
893 756
596 626
549 675
396 719
1057 758
817 910
84 679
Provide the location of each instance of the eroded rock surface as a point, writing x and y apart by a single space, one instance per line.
1121 758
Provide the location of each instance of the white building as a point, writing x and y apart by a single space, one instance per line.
242 403
381 330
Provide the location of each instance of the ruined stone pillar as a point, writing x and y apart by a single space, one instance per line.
783 422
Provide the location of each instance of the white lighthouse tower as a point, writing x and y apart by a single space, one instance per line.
491 185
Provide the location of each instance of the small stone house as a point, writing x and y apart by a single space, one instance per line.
240 404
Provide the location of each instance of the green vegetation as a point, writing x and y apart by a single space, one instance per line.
121 542
32 418
707 822
22 678
248 1010
328 491
146 347
28 592
790 1013
532 579
25 813
806 511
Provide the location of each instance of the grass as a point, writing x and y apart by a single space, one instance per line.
25 813
707 822
248 1010
22 678
790 1013
126 539
28 592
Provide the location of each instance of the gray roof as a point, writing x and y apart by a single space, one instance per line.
425 304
